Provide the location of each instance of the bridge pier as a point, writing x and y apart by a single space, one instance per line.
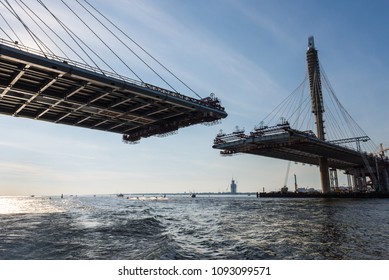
359 178
334 179
385 180
324 175
350 180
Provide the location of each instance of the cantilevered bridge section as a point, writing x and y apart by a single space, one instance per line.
284 142
44 87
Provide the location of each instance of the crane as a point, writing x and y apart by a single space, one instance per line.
285 188
383 150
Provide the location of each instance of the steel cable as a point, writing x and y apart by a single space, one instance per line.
139 46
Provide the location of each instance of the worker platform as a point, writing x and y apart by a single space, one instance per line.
41 86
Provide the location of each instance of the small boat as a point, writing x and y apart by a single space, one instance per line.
120 195
192 195
148 198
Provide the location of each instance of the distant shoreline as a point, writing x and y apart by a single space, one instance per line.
197 193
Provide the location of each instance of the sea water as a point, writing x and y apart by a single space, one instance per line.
180 227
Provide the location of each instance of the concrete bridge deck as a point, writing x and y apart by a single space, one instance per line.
285 143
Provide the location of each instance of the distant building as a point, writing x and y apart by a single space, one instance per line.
233 186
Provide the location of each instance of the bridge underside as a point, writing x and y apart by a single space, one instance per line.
288 144
64 92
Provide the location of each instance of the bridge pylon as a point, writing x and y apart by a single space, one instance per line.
366 172
317 108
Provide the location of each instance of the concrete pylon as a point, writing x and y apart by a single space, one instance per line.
317 108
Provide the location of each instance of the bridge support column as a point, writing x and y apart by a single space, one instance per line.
324 175
350 180
385 180
334 179
360 183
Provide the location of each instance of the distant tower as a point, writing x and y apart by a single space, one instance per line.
233 186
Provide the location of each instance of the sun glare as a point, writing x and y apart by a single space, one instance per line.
9 205
23 205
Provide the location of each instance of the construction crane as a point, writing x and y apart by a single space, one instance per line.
285 188
383 150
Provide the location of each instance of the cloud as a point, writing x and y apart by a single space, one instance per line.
16 169
274 24
202 59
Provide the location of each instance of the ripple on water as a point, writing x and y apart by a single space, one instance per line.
201 228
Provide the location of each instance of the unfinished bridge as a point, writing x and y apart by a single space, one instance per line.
74 89
366 171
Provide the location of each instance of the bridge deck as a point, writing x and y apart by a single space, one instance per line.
288 144
63 91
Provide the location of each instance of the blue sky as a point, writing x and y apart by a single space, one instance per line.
250 53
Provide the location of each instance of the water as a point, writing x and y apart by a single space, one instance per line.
218 227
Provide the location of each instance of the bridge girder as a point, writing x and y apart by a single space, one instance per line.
66 92
284 143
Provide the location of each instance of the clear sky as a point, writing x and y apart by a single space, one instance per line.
251 54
